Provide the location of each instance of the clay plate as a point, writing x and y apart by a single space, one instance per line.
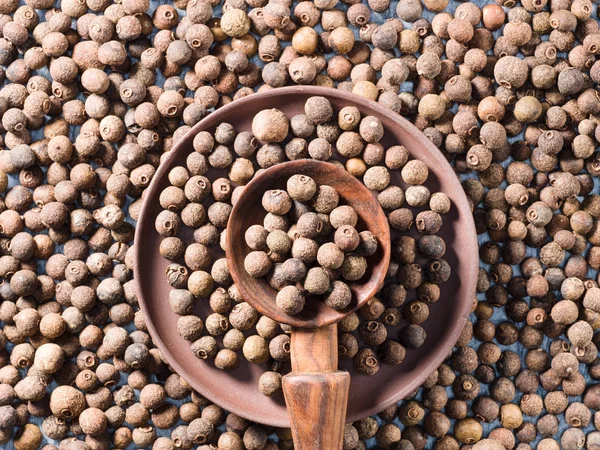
237 391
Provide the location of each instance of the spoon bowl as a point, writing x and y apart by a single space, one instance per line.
248 211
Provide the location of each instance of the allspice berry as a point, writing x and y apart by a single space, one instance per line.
28 438
325 200
366 361
317 281
276 201
341 40
49 358
488 444
301 188
67 402
354 267
432 106
226 359
339 295
329 256
347 238
305 40
257 263
511 72
256 349
93 421
528 109
200 431
580 334
270 125
235 22
290 300
415 172
318 109
269 384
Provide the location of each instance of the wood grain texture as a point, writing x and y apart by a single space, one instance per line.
314 350
317 405
316 393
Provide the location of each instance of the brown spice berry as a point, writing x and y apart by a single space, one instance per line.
270 125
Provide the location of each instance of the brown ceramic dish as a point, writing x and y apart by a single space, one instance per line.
237 390
248 211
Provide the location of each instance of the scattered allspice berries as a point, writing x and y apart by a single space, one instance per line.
93 97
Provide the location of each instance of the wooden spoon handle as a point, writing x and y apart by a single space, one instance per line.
316 393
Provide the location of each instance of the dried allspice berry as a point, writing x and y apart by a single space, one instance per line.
270 126
366 361
318 110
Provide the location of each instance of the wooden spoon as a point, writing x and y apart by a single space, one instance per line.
316 392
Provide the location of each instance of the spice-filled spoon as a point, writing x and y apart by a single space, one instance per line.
316 392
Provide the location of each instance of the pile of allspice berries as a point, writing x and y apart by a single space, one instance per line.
95 92
324 233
